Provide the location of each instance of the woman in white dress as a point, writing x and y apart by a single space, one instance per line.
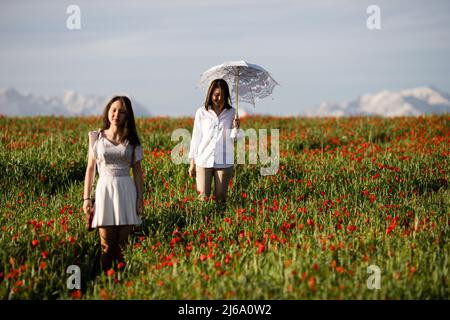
118 199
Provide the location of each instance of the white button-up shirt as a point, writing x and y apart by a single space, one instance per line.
212 143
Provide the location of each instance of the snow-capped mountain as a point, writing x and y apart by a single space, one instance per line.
14 103
408 102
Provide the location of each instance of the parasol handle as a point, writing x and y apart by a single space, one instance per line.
237 94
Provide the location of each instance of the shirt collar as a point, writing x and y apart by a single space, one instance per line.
224 111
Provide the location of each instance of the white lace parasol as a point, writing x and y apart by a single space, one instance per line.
251 81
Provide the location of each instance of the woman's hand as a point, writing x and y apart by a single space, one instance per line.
88 210
192 169
87 204
140 206
236 123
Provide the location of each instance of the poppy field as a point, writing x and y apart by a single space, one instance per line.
353 198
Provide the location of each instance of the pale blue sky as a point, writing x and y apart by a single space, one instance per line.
155 51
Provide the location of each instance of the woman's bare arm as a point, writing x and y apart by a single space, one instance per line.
139 182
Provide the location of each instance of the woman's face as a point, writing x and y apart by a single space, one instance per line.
217 97
117 113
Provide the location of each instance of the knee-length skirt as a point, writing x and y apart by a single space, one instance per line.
115 202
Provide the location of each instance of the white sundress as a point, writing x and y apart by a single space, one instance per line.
115 193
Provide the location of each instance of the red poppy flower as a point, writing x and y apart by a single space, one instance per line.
76 294
261 248
392 225
44 254
160 283
340 269
333 264
34 242
312 283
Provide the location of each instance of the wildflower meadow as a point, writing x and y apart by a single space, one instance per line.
358 208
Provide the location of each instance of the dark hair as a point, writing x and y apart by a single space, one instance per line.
128 131
223 85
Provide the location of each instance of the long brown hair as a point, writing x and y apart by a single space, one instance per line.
223 85
128 130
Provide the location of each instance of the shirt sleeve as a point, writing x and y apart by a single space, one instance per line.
138 153
196 136
237 134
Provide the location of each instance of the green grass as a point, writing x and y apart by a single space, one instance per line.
308 232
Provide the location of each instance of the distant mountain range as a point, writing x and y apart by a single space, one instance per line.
14 103
408 102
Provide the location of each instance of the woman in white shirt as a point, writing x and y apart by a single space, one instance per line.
212 145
